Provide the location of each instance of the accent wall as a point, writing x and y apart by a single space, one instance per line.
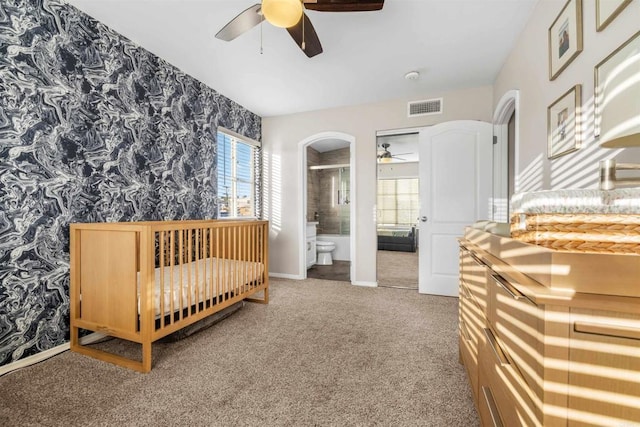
93 128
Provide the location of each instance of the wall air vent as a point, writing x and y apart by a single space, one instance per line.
424 108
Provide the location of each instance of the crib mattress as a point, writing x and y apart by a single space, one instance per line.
195 282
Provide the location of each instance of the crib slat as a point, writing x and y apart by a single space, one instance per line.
161 237
180 263
188 260
172 261
197 271
211 294
224 269
218 273
234 270
253 256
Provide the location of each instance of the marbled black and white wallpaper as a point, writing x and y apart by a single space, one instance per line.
92 128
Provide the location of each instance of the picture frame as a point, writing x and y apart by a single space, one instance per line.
564 123
565 37
616 87
607 10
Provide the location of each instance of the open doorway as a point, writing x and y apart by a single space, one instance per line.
328 206
397 209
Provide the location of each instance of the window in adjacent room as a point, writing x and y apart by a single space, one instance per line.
238 177
398 201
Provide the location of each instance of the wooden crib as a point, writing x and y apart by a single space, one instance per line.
141 281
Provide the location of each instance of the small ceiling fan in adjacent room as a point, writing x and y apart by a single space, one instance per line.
290 14
385 156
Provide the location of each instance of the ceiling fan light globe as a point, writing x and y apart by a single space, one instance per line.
282 13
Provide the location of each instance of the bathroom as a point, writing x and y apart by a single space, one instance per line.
328 210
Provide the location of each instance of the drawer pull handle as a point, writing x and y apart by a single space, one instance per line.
491 404
477 260
491 339
465 292
617 331
512 292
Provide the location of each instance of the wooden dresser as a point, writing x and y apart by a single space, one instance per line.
549 338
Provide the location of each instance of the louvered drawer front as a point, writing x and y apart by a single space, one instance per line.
604 368
504 398
471 324
516 322
474 275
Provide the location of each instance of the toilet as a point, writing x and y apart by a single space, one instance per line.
324 250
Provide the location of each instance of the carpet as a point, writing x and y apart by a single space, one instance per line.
322 353
398 269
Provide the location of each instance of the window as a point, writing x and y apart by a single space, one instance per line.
238 175
398 201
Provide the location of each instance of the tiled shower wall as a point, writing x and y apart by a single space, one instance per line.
333 219
92 128
313 159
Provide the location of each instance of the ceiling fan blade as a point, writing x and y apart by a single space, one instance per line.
400 154
242 23
312 46
344 5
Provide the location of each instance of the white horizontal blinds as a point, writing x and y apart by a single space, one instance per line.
238 175
398 201
257 173
245 190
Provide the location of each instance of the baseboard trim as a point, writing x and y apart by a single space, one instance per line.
365 284
286 276
44 355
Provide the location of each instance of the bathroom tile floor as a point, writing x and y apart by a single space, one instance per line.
339 270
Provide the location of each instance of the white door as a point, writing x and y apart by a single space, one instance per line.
455 189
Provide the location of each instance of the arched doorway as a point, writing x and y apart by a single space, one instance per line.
344 196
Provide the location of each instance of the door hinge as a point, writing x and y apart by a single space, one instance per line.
495 139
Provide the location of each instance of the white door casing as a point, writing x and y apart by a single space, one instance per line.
508 105
455 191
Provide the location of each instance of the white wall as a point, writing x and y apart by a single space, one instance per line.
526 69
283 188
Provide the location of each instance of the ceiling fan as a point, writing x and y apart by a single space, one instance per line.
290 14
385 155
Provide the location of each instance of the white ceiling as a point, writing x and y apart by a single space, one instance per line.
454 44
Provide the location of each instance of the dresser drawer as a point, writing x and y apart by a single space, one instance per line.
517 322
474 275
470 362
604 368
472 316
470 325
504 398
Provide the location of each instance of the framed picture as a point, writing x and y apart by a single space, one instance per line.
565 37
617 92
563 123
607 10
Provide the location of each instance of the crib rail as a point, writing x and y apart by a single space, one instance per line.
225 264
142 281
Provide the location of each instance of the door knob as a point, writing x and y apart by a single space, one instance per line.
423 218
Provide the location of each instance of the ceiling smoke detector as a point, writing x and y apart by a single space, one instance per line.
412 75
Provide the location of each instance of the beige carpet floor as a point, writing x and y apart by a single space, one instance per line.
322 353
397 268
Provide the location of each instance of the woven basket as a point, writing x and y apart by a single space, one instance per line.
610 233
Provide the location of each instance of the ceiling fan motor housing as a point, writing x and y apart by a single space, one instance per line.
290 14
282 13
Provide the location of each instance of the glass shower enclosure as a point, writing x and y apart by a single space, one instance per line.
330 185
